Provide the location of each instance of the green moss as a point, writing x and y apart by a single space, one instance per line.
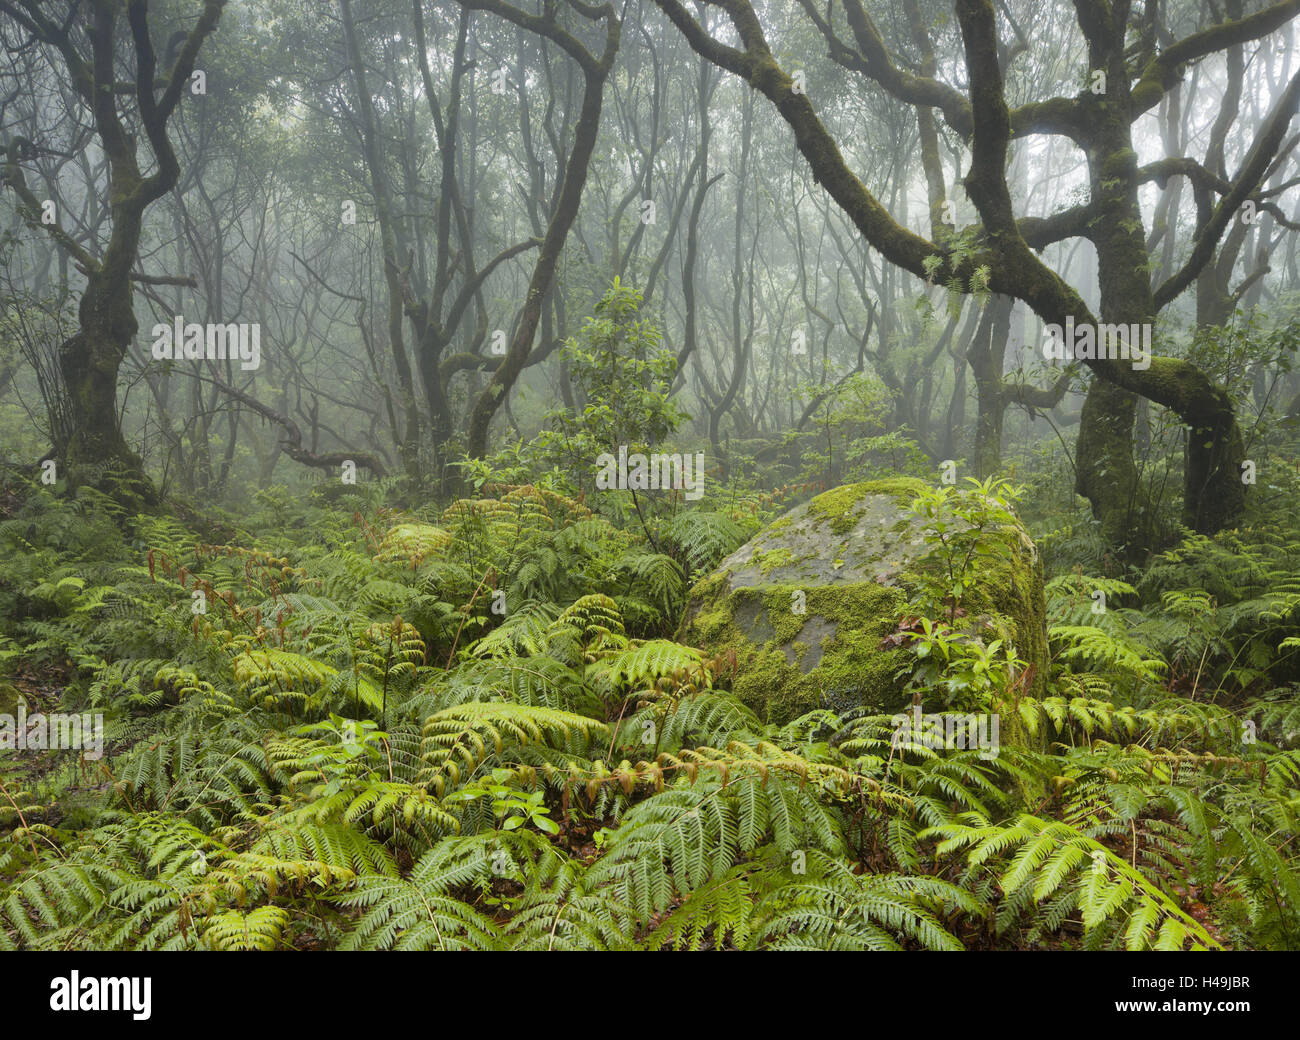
850 675
9 699
789 663
899 487
778 604
836 507
780 557
710 621
842 506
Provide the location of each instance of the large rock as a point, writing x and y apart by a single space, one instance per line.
850 552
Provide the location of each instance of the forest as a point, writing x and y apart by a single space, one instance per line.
649 475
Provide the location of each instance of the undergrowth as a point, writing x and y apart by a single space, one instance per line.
345 726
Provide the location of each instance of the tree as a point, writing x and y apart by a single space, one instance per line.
999 254
86 40
595 70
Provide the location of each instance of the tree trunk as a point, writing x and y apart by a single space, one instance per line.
96 452
595 71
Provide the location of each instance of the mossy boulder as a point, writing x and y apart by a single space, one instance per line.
848 557
10 698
